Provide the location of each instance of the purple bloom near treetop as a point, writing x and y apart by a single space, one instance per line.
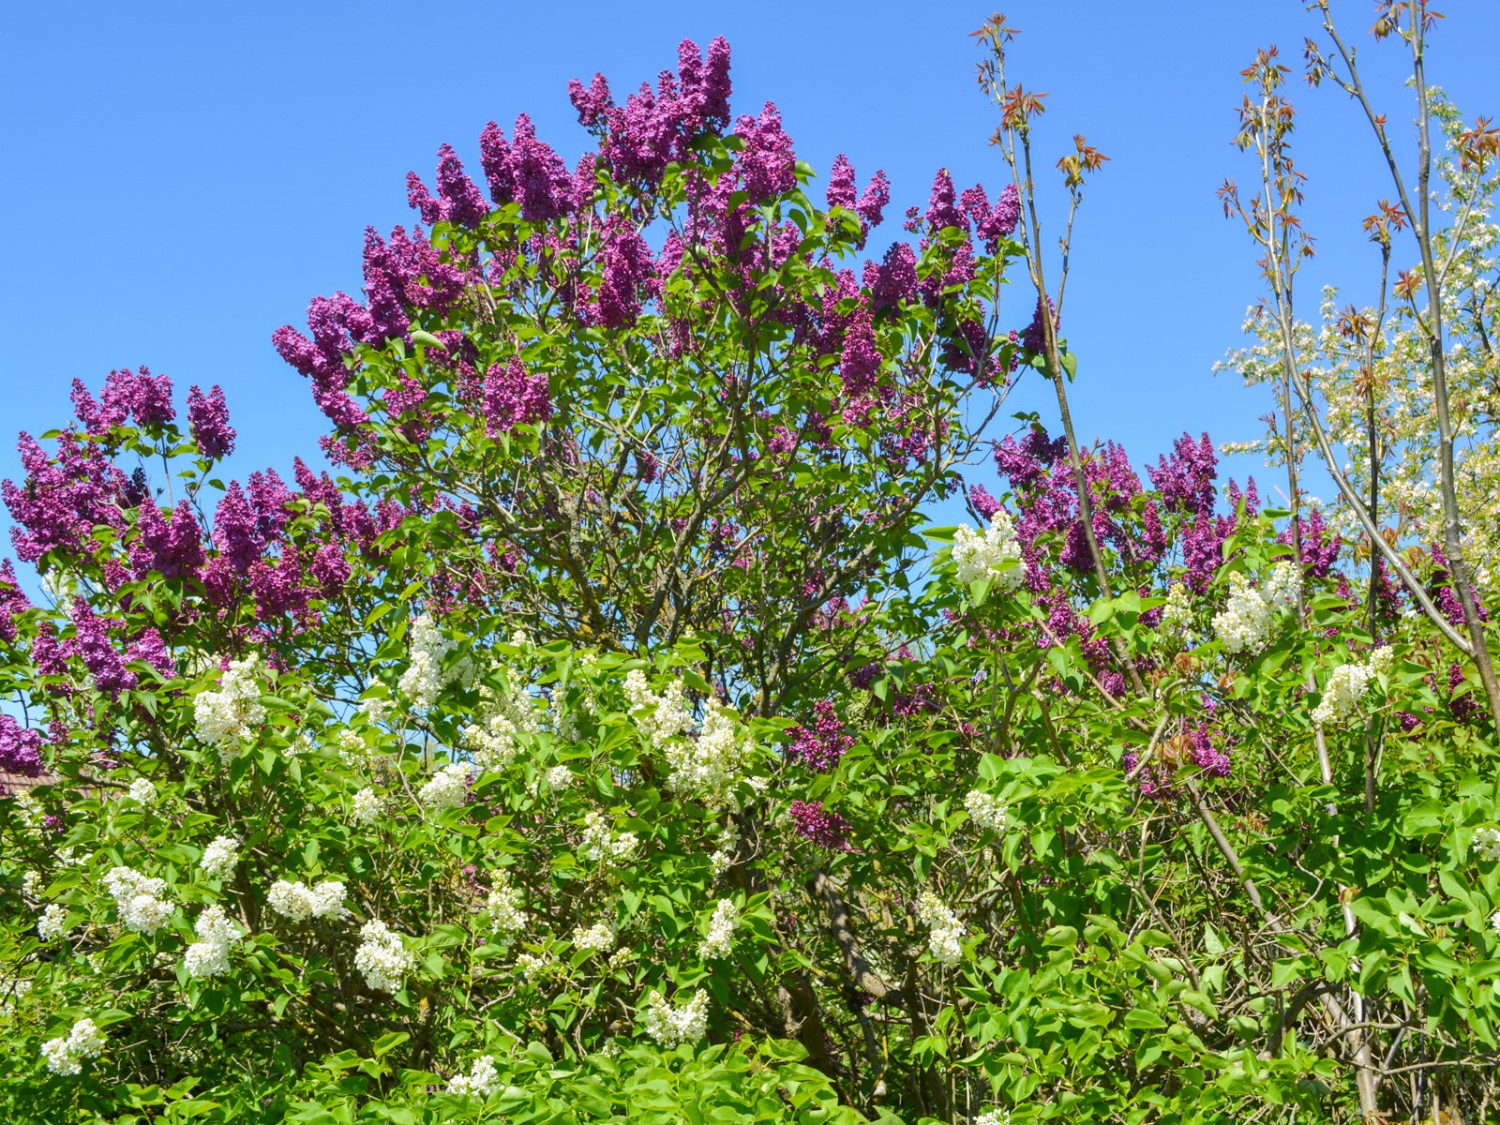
208 421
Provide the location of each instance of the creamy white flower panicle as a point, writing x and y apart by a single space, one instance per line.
423 680
368 806
448 788
598 938
1347 686
505 905
979 557
217 937
64 1056
53 922
141 791
220 857
503 715
993 1117
1486 844
225 717
721 927
531 965
138 900
729 842
986 810
300 902
375 708
559 778
711 763
944 931
1245 624
381 958
1282 586
1177 614
480 1082
659 717
670 1026
31 882
601 842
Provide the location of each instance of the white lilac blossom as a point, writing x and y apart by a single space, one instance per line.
300 902
220 857
424 678
64 1056
1245 624
352 749
1347 686
979 557
559 778
729 843
1177 614
53 923
31 882
12 991
503 715
945 931
600 842
217 937
381 957
368 806
141 791
532 965
711 763
721 927
986 810
506 906
659 717
670 1026
1282 586
480 1082
138 900
375 708
1495 922
993 1117
1486 843
598 938
448 788
225 717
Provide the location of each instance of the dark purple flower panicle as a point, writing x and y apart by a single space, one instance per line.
841 191
208 420
859 362
235 533
20 748
591 102
1000 221
462 202
941 209
13 601
894 280
1034 337
63 498
99 655
628 267
1320 544
822 827
1211 759
171 547
150 648
513 398
539 177
985 504
820 747
768 166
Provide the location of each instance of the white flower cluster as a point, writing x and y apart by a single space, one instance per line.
300 902
217 937
368 806
987 811
506 906
670 1026
729 843
945 931
381 957
711 763
1495 922
1245 624
559 778
503 715
665 716
601 842
1177 614
226 716
1487 843
141 791
423 680
978 558
138 899
598 938
448 787
52 923
63 1056
993 1117
480 1082
720 939
220 857
1347 686
31 882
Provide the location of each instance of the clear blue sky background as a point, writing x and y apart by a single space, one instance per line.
182 178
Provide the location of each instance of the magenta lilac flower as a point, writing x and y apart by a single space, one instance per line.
820 746
821 826
513 398
20 748
93 645
894 280
208 421
942 211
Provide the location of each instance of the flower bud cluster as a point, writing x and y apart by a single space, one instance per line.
53 922
480 1082
986 811
1246 622
220 857
506 906
601 842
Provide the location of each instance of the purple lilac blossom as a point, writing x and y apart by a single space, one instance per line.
208 420
821 826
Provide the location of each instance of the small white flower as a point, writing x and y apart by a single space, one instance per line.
225 717
721 927
300 902
53 922
601 843
220 857
559 778
63 1056
31 883
141 791
993 1117
506 906
448 788
368 806
986 811
1341 696
598 938
424 678
670 1026
381 957
978 558
480 1082
1487 843
138 899
945 931
218 935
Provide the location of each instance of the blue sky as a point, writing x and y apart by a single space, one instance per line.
184 177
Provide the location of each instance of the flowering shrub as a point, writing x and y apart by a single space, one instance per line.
619 737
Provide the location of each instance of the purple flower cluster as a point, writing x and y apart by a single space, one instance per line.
767 166
13 601
458 200
823 827
20 748
894 280
208 420
173 547
513 398
1320 544
820 747
869 206
1034 335
137 395
526 171
628 269
63 498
